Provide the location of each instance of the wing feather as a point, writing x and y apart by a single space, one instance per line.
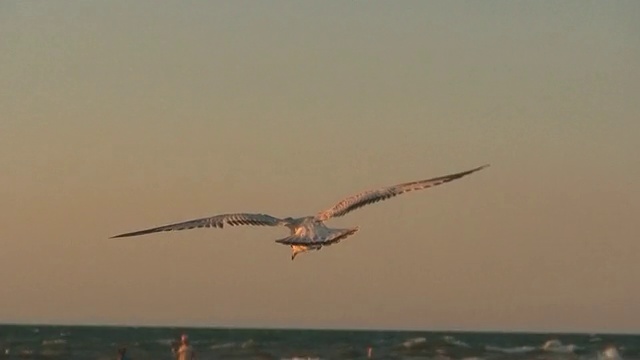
373 196
217 221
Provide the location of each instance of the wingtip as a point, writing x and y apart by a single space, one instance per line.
120 236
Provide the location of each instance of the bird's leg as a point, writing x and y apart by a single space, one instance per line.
295 250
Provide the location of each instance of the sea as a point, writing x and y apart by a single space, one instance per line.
103 342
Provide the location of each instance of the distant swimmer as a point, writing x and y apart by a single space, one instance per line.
122 354
310 232
185 351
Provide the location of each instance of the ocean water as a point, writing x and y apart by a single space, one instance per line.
97 342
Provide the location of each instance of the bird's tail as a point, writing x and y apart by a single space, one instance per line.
335 236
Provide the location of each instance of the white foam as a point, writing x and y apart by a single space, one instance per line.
165 341
511 350
419 341
557 347
54 342
453 341
610 353
248 343
223 345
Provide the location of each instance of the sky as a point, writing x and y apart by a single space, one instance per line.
117 116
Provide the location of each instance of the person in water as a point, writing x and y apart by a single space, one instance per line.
185 350
122 354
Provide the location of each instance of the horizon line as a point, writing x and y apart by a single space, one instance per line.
363 329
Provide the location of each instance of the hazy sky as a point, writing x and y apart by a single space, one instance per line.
122 115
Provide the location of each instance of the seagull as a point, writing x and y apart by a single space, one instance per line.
309 232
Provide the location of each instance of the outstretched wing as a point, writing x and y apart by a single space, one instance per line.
214 221
373 196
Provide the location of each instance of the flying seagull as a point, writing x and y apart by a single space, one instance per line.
309 232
